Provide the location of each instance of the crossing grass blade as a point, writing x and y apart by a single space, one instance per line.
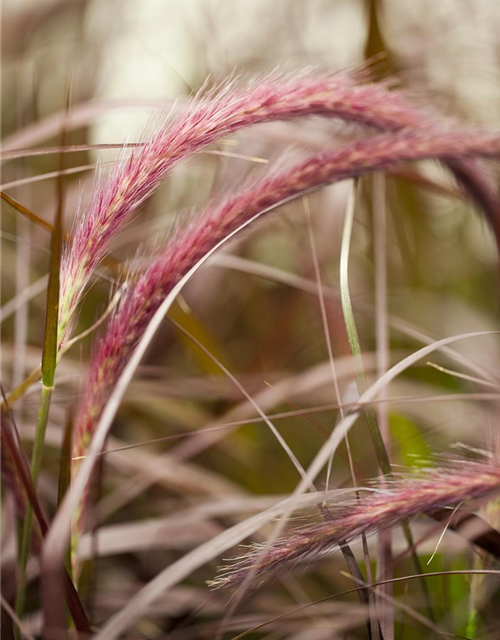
26 212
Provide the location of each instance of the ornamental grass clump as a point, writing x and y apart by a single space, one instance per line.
414 136
259 195
207 229
387 131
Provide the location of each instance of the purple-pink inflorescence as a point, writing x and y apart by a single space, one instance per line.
395 501
116 199
204 121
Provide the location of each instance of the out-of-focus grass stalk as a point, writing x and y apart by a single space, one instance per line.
36 373
384 551
65 474
371 418
472 622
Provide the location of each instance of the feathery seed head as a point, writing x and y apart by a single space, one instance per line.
207 118
397 500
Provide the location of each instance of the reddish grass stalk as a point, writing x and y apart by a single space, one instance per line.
143 298
15 469
394 501
16 472
11 479
117 198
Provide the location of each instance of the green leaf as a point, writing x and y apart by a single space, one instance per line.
413 448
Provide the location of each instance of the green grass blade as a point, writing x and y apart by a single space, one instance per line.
353 337
49 363
49 353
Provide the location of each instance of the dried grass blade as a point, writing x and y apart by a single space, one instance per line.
384 551
26 212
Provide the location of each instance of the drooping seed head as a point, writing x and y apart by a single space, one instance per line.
116 197
396 501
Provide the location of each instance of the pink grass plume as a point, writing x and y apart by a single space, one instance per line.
115 199
207 118
392 502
